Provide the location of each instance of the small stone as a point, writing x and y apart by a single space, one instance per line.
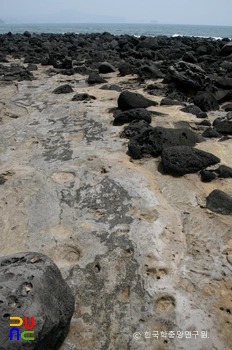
63 89
95 78
83 97
106 67
219 202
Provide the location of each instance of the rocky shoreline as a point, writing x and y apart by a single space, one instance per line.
116 163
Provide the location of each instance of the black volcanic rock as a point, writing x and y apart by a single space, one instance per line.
126 69
129 100
149 72
219 202
15 72
210 132
95 78
60 61
227 49
188 75
206 101
208 175
180 160
132 114
223 96
205 123
189 57
113 87
135 128
32 67
229 115
153 141
3 58
223 125
195 110
148 43
2 180
27 34
83 97
223 172
177 95
106 67
170 102
228 107
224 83
32 285
63 89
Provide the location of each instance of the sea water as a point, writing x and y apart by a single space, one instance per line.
217 32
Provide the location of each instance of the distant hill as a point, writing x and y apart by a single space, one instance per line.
1 21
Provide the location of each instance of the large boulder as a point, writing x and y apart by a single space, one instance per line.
32 285
188 75
153 141
180 160
219 202
129 100
206 101
132 114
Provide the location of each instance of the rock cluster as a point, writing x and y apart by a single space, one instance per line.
187 64
154 140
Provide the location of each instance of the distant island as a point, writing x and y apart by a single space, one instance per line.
1 21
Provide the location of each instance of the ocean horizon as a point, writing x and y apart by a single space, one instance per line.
136 29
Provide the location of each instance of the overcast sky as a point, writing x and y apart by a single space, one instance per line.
209 12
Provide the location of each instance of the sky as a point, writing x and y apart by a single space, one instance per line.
208 12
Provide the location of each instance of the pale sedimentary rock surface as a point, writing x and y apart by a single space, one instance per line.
143 256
